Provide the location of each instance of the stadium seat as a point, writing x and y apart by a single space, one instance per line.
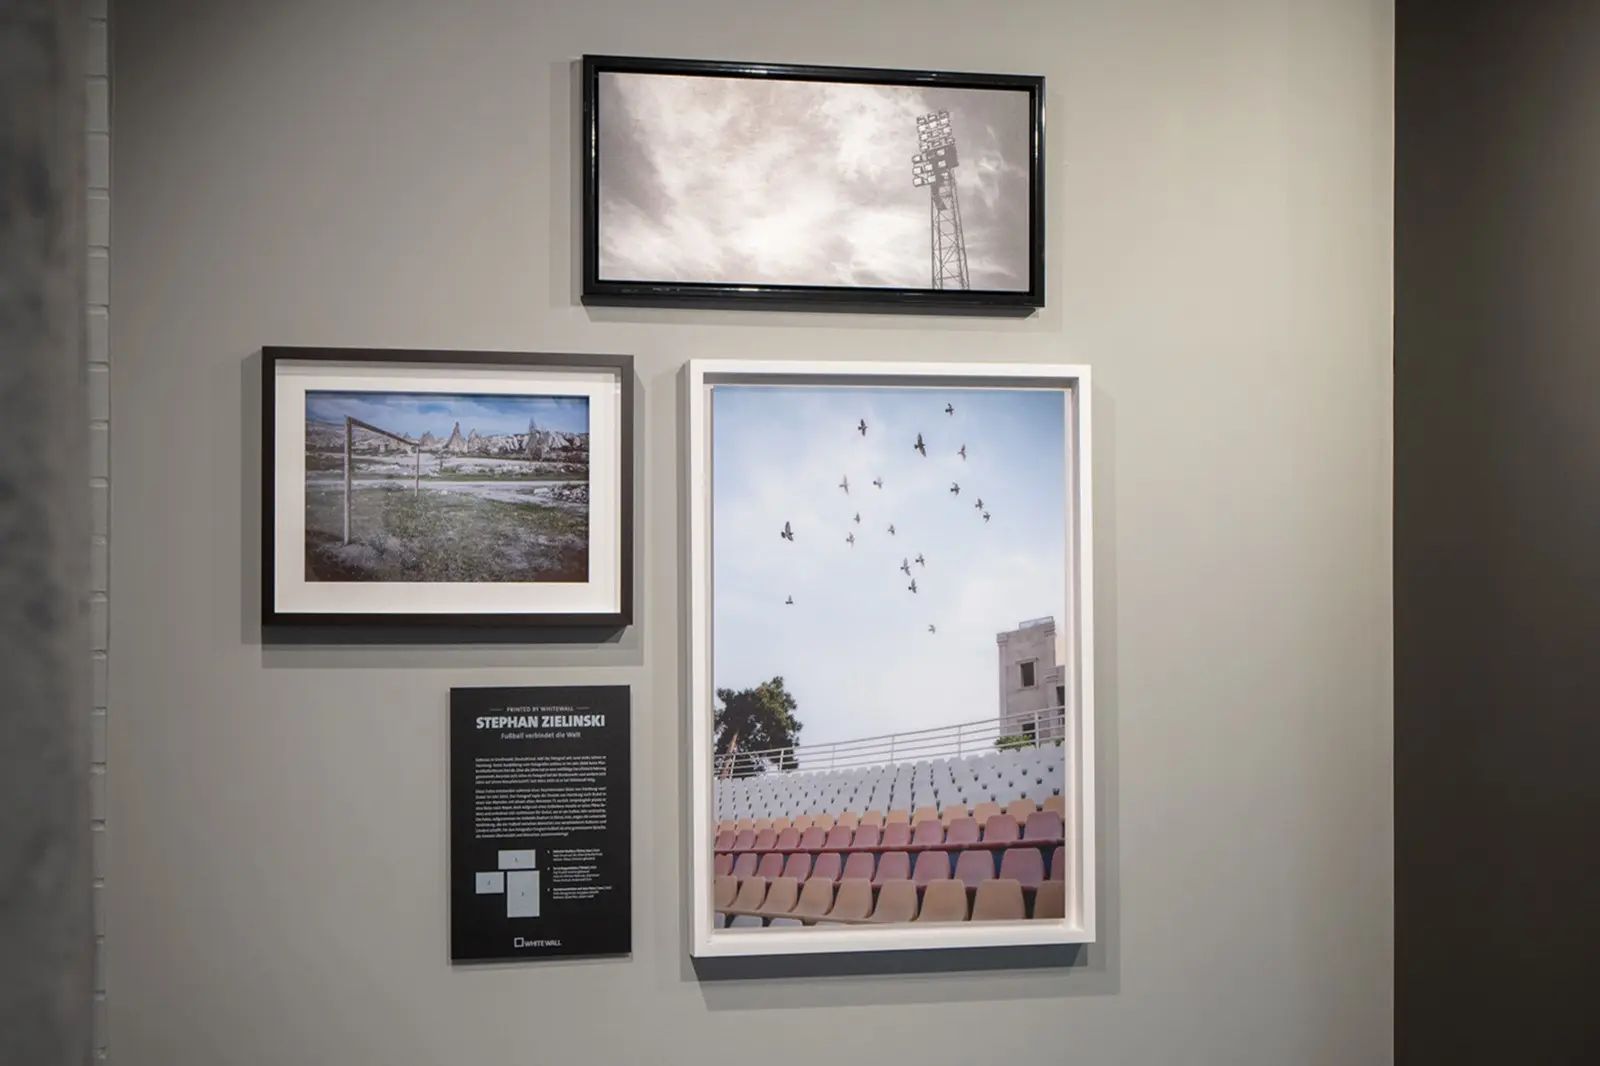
984 811
816 899
1058 864
828 866
727 826
867 836
723 891
860 864
848 819
961 831
822 821
813 838
998 901
892 866
771 865
839 838
1023 865
973 867
1051 900
897 902
931 866
1057 803
780 824
725 840
752 891
797 866
1001 827
1021 809
782 894
788 839
722 864
872 818
746 825
896 835
897 817
1042 825
744 840
765 840
744 865
854 899
943 901
952 811
802 822
928 833
922 814
762 823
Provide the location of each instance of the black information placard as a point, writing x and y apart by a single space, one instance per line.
539 843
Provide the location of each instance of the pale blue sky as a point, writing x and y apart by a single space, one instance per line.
854 649
415 413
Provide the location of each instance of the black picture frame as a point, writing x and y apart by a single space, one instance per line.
439 624
600 291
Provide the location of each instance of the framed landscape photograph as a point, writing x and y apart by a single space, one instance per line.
446 488
891 689
758 184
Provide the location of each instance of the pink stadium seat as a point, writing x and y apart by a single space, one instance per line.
745 865
962 831
727 826
974 867
798 866
725 839
771 865
897 835
867 836
1023 865
839 838
828 866
860 864
931 866
1000 827
928 833
766 839
813 838
788 839
745 840
1058 864
892 866
1043 825
723 864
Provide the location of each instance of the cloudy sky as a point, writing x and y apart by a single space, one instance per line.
412 414
854 649
753 181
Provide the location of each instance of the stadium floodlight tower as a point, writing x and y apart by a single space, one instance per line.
935 166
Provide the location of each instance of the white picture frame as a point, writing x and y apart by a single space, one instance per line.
709 938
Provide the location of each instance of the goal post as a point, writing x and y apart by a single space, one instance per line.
350 426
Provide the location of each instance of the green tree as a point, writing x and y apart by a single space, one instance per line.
756 719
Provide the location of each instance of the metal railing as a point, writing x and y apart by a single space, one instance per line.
986 735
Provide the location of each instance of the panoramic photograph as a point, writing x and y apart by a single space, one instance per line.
755 181
429 487
889 654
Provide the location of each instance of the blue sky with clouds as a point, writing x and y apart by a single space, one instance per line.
415 413
854 649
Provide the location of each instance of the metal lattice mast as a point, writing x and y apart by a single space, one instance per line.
934 166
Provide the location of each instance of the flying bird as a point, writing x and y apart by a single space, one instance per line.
931 628
921 447
949 409
919 560
787 534
789 602
955 490
986 516
905 564
858 518
891 530
877 482
862 427
979 504
913 585
851 540
963 453
845 484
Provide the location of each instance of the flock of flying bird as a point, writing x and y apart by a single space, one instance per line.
787 533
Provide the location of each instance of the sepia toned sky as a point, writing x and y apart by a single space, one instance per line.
753 181
414 413
854 648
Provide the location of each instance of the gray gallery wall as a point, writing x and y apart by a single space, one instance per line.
364 173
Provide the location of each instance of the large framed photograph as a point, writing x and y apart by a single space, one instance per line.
405 487
751 184
891 689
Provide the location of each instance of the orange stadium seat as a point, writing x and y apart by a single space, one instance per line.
1021 809
780 824
1058 864
849 819
944 901
816 899
922 814
1057 804
897 816
746 824
984 811
762 823
897 902
781 897
726 826
872 818
751 892
1024 866
723 891
952 811
802 822
822 821
1051 900
998 901
854 899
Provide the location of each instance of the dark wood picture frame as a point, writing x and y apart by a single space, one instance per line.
441 622
666 293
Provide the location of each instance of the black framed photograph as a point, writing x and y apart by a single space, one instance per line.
758 184
446 488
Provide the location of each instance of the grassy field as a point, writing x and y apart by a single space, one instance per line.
443 535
